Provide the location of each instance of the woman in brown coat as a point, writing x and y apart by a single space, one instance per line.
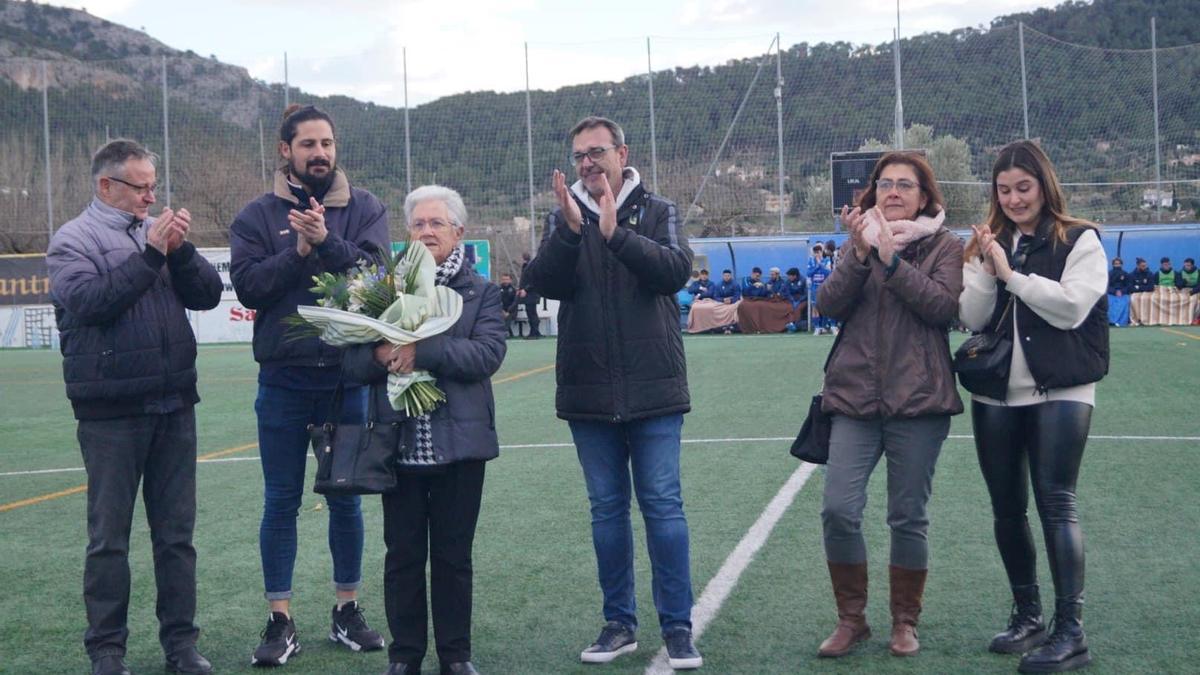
889 387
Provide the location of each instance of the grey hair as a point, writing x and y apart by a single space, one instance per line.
451 198
111 157
594 121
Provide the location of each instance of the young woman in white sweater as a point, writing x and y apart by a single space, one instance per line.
1038 276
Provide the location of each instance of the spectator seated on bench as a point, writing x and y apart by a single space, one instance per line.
720 312
769 310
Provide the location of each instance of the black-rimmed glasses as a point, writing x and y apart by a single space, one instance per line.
140 189
593 154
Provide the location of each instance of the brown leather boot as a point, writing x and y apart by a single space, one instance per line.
850 593
907 586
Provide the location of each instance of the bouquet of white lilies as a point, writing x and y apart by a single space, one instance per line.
397 301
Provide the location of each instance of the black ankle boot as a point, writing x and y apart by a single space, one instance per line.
1066 648
1025 627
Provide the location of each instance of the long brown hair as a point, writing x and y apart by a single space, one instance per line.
928 184
1028 157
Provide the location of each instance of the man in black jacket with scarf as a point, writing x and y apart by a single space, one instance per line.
614 254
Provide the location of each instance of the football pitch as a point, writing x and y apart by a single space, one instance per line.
763 595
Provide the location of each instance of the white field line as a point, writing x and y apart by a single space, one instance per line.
547 446
722 584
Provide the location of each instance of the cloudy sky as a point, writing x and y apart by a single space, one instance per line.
358 49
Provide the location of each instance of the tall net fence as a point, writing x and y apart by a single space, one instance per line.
743 147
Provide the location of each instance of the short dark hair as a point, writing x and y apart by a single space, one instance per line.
296 114
1164 259
793 271
1189 260
1118 260
111 156
756 269
593 121
726 271
703 271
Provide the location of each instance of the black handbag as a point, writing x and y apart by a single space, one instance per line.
983 361
354 459
812 443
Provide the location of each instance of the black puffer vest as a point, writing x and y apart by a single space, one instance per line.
1057 358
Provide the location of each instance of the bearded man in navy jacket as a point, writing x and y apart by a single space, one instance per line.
312 222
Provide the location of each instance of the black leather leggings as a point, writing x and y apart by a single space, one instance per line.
1044 441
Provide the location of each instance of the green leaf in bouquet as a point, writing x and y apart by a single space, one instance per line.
334 290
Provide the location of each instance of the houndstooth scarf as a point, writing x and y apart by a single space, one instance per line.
422 454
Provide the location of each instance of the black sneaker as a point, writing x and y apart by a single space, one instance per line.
681 653
279 642
615 639
351 629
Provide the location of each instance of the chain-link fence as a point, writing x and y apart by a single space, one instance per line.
743 148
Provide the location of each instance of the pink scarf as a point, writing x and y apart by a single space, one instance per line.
904 232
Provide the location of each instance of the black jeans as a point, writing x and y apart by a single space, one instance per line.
160 452
1045 442
535 322
431 516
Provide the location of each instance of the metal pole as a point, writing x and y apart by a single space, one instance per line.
286 99
166 133
1157 152
46 144
529 153
899 96
262 154
1024 83
779 122
653 136
407 144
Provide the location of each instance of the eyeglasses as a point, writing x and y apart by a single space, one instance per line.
593 154
140 189
902 185
435 224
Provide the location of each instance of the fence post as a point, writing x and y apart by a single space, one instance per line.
46 144
1157 150
286 86
407 142
166 133
653 136
529 155
1024 83
899 94
779 122
262 154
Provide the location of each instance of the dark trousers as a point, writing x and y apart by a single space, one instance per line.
535 322
431 516
159 451
1045 442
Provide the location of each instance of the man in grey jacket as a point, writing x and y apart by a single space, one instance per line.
121 282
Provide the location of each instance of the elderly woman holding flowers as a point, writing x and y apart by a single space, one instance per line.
431 514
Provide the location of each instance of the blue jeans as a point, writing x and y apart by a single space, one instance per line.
607 451
283 444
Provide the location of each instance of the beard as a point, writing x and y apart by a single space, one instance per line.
315 183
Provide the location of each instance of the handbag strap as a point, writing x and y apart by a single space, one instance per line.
335 408
837 339
1000 323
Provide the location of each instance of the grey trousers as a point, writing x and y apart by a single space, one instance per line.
160 452
912 447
